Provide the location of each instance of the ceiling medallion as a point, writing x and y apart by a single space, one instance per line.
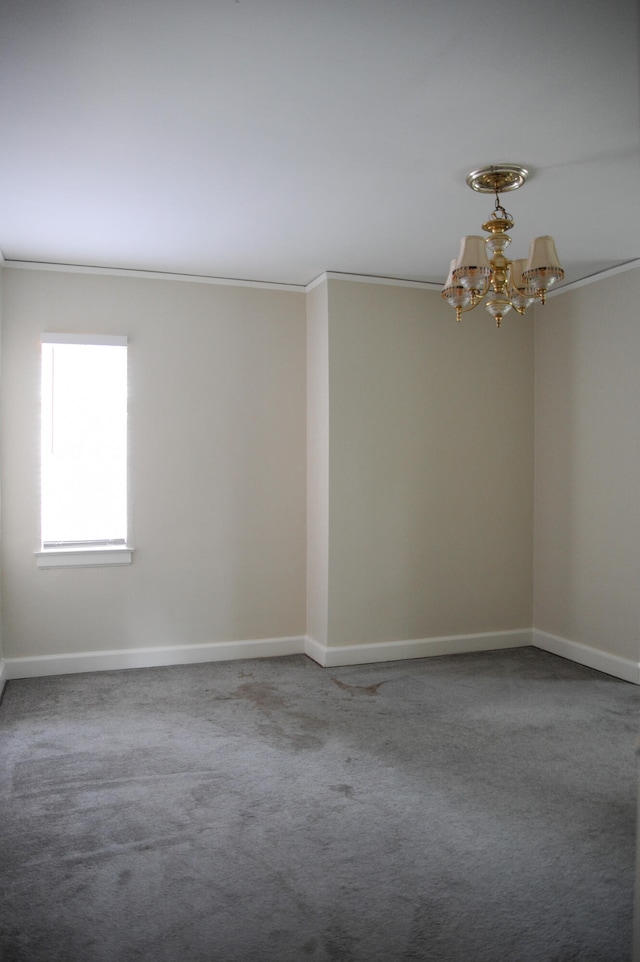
497 179
481 269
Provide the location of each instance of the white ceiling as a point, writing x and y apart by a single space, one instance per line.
273 140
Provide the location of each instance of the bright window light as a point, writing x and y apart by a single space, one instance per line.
84 441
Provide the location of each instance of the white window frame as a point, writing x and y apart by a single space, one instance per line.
85 554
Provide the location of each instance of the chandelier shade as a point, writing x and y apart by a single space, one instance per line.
472 268
481 272
543 267
454 293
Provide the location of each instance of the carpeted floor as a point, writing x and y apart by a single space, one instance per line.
477 807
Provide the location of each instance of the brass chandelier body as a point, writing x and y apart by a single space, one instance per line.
482 273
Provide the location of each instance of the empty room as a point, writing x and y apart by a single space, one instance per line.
319 487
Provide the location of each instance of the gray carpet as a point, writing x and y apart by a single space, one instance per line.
476 807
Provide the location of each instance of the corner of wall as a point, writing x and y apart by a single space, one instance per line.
2 667
589 656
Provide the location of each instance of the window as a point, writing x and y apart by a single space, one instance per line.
84 450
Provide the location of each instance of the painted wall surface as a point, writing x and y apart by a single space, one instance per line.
403 462
217 472
1 632
430 467
317 462
587 484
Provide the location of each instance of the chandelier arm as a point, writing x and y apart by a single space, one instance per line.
465 310
519 310
475 300
478 295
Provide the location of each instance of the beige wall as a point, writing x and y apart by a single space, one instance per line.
217 427
587 482
398 473
430 467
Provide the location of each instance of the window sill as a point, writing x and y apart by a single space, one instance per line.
83 557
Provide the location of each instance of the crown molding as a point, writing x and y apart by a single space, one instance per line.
152 275
594 278
372 279
431 286
228 281
276 286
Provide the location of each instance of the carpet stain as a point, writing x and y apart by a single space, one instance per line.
272 705
346 790
262 695
352 689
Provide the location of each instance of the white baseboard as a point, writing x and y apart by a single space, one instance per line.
35 666
69 663
344 655
327 657
586 655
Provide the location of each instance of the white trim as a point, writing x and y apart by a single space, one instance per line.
153 275
374 279
83 557
315 282
283 286
315 650
587 655
594 278
102 340
36 666
226 281
327 657
433 286
340 656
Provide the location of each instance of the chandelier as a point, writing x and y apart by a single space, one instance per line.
483 274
